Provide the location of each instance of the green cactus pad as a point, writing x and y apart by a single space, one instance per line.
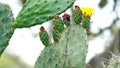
6 30
86 22
49 58
73 44
38 11
77 16
70 51
59 25
44 38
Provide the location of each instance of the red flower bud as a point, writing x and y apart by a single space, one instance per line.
66 17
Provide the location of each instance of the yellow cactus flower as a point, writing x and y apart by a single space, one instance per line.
87 11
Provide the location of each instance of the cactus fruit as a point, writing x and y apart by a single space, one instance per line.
86 22
58 23
66 19
77 15
6 30
44 36
70 52
87 12
56 35
39 11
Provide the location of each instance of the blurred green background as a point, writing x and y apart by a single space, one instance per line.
8 60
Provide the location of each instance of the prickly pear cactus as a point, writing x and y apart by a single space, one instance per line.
6 30
70 52
38 11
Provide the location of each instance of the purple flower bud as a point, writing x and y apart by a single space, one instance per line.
66 17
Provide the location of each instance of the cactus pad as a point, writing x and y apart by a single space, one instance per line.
73 46
38 11
6 30
49 58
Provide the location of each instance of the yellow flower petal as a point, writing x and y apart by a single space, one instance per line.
87 11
